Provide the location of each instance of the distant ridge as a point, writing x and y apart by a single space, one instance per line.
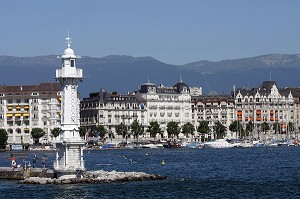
124 73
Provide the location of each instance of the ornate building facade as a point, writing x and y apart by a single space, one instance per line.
212 109
150 103
266 103
29 106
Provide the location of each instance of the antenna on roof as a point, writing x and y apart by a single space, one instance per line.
180 79
270 73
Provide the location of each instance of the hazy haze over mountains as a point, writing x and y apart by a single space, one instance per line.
125 73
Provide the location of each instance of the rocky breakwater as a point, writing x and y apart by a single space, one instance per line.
96 177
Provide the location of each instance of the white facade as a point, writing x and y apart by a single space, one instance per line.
213 109
150 103
69 161
267 104
110 110
25 107
167 104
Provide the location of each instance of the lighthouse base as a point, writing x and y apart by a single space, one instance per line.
69 161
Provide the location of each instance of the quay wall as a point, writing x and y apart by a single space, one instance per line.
21 173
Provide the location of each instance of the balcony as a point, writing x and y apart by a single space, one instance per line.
61 73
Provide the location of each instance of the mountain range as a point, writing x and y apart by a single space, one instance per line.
123 73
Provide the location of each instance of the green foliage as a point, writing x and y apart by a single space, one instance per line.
265 127
291 127
3 138
249 128
203 127
55 132
276 127
36 134
237 127
188 128
82 131
153 129
137 129
102 131
219 129
173 128
122 129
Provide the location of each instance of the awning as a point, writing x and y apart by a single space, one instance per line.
9 114
26 106
18 114
25 114
10 107
18 107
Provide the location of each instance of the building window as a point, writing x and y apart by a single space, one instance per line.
72 63
9 101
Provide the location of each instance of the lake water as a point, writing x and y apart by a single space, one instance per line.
264 172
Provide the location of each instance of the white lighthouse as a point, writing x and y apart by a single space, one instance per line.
69 161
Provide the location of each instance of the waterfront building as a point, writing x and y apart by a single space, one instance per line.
213 108
25 107
111 109
267 103
167 104
150 103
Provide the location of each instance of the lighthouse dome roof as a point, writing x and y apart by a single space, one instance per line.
69 51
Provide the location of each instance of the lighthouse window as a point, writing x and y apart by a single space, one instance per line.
72 62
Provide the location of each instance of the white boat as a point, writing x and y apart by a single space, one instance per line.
149 146
221 143
246 143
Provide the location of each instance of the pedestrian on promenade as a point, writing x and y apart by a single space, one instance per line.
44 159
34 159
13 161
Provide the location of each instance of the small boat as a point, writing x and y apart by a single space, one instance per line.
221 143
153 146
194 145
109 145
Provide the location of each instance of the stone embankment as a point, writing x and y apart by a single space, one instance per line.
21 173
96 177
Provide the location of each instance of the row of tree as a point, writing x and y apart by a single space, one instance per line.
136 130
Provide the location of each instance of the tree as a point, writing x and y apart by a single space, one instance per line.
3 138
219 129
82 131
188 128
121 129
265 127
276 127
290 127
153 129
55 132
203 129
102 131
173 128
249 128
137 129
36 134
237 127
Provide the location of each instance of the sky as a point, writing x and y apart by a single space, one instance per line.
171 31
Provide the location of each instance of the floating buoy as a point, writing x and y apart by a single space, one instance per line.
163 163
146 153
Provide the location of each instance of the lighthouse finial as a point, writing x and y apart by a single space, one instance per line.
68 40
